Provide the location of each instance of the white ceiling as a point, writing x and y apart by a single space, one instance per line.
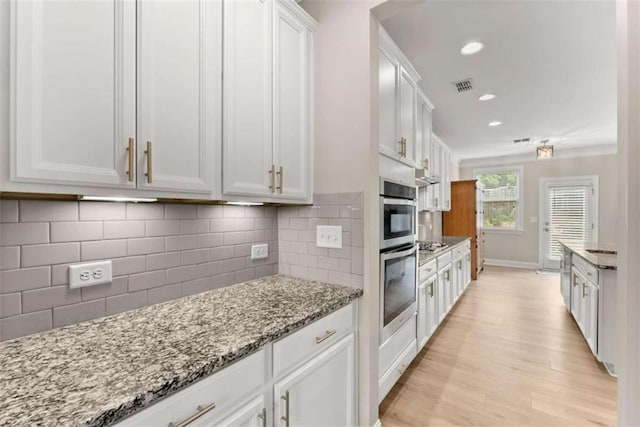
551 64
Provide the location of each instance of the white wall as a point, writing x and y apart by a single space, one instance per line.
523 246
628 168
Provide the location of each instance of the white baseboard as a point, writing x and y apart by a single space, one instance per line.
378 424
513 264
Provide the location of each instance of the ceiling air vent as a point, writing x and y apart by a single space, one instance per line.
518 141
463 85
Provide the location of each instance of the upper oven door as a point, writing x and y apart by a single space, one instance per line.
397 222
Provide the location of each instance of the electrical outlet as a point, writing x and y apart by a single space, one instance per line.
90 274
259 251
329 236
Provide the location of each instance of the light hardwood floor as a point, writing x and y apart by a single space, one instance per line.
508 354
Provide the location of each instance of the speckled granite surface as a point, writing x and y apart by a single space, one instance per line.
426 256
607 259
95 373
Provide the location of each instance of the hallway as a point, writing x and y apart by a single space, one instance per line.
509 354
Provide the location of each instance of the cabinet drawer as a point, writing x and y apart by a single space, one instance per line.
467 245
458 251
588 270
387 381
444 259
391 349
428 270
312 339
226 389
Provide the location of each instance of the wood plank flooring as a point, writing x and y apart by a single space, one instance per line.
508 354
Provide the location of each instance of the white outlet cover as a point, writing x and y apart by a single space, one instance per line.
329 236
90 274
260 251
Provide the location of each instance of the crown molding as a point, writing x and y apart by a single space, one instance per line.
593 151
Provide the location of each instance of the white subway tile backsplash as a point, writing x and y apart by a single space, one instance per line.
45 211
235 264
196 256
209 269
119 285
55 253
164 260
196 286
223 252
102 211
175 211
181 243
182 274
125 302
209 211
245 275
151 279
233 211
124 229
340 278
141 211
103 249
148 245
9 257
10 304
25 324
210 240
164 293
234 237
74 313
219 225
76 231
243 224
39 299
13 234
194 226
8 210
163 228
129 265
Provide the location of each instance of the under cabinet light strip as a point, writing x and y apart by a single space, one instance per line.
117 199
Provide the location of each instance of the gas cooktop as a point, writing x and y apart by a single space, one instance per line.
431 246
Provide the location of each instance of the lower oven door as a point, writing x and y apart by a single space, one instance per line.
398 288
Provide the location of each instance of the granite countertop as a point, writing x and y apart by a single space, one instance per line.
451 241
97 372
607 259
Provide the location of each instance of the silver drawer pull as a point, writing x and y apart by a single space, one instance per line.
326 335
263 416
402 369
285 417
201 411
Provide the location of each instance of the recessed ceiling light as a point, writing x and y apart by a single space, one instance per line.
486 97
494 124
471 48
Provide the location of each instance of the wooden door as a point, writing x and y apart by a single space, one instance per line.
73 100
247 144
179 75
292 105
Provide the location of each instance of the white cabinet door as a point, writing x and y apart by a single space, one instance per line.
441 295
591 318
467 268
423 297
179 70
73 99
432 306
292 105
389 76
458 278
322 392
428 319
252 414
446 179
426 122
247 100
408 98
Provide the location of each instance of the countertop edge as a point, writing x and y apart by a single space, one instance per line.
582 253
150 397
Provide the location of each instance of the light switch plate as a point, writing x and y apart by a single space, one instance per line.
90 274
329 236
260 251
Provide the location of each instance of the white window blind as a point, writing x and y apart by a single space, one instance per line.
571 216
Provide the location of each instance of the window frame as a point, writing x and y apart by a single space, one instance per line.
519 169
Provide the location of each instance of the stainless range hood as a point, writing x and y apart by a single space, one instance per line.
424 177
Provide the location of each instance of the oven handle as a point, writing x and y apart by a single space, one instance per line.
399 254
399 202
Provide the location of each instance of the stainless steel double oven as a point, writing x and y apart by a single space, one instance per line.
398 256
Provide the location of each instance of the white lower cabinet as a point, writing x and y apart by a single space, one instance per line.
427 310
321 392
314 386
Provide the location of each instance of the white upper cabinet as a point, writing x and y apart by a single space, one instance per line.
292 104
398 96
267 112
179 64
423 136
73 100
247 136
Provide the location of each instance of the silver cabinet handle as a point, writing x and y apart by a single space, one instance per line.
285 418
280 173
272 179
201 411
149 173
402 369
431 290
263 416
326 336
401 142
436 200
130 159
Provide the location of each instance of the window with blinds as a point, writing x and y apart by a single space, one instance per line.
570 216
